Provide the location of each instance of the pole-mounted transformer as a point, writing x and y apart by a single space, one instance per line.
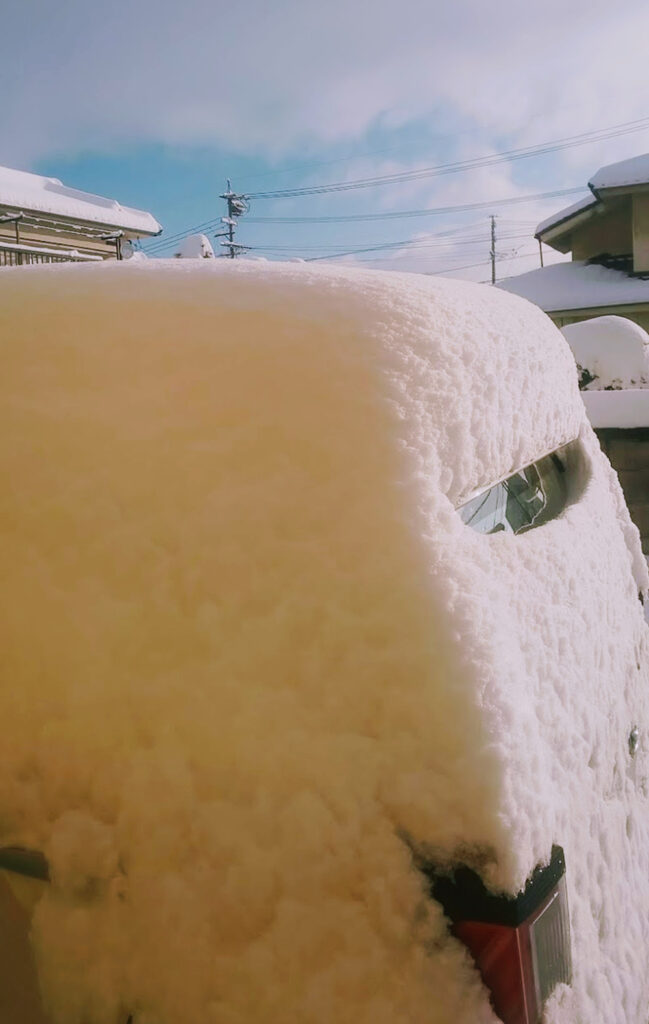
237 206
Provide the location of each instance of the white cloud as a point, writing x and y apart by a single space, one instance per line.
274 77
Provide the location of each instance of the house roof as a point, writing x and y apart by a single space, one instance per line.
578 285
634 171
21 190
624 174
566 214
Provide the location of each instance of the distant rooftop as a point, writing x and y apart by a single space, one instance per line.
21 190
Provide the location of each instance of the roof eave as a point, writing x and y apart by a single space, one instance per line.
559 240
619 190
563 226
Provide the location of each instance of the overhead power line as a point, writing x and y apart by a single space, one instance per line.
507 156
410 243
161 244
461 245
429 211
585 138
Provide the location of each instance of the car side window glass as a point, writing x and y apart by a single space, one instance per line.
524 500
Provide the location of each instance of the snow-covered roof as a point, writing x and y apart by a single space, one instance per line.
21 190
257 660
578 285
566 214
625 173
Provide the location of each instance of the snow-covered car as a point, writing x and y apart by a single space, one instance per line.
325 669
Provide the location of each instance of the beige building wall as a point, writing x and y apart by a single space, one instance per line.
609 232
55 240
641 233
628 452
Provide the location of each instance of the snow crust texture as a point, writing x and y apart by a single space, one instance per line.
252 658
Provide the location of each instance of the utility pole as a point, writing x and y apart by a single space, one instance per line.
492 252
237 206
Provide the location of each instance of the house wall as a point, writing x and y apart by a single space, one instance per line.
628 452
641 233
55 240
609 231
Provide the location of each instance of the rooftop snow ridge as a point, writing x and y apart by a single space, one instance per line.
54 185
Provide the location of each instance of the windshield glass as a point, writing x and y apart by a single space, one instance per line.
522 501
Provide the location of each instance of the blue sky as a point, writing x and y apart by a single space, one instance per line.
155 104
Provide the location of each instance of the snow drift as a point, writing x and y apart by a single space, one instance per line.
611 353
253 658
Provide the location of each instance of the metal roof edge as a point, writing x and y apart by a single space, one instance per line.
567 216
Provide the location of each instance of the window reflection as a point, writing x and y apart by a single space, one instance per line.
523 501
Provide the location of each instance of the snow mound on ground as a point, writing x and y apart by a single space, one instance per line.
253 657
611 352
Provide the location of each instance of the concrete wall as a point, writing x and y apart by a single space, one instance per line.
628 452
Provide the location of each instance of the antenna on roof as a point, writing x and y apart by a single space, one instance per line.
237 206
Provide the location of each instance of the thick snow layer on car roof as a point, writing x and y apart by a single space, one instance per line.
577 285
634 171
32 192
612 350
254 658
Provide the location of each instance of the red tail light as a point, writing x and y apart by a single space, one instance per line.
521 945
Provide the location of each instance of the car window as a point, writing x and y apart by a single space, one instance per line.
524 500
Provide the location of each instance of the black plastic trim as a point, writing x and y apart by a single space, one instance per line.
30 863
464 896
